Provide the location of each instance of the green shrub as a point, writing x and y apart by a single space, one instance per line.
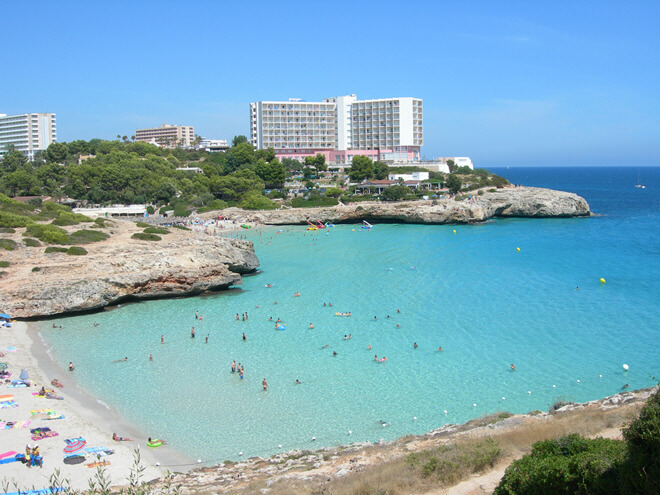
52 210
141 236
7 230
101 222
181 211
4 264
216 204
76 251
156 230
53 249
256 202
311 203
69 218
36 269
87 236
165 209
7 244
9 220
181 227
642 473
29 242
150 210
143 225
566 465
50 234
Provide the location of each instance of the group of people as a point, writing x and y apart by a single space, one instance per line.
32 456
238 368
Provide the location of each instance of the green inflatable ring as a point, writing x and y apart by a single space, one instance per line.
155 443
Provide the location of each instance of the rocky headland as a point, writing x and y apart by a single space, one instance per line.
523 202
38 284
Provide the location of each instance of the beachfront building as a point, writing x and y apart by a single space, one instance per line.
213 145
167 135
388 129
29 133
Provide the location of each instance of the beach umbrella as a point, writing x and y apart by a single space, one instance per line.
74 445
24 375
5 315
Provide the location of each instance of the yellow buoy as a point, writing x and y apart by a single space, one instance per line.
602 280
454 231
518 249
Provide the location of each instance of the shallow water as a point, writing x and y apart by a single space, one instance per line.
487 304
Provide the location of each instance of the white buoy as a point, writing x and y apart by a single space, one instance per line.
474 405
199 461
626 367
279 446
503 398
554 386
158 464
529 391
578 381
415 418
313 439
350 432
601 376
445 411
240 453
384 425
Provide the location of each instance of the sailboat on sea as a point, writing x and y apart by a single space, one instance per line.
639 185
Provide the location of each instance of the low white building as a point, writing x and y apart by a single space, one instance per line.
411 176
213 145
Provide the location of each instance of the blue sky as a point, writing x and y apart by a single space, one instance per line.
507 83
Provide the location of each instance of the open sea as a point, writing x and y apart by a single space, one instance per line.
488 306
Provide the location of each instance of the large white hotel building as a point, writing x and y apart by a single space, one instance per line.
388 129
167 135
29 133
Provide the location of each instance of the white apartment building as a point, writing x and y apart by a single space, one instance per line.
30 133
388 129
167 135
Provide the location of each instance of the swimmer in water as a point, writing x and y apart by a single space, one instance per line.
334 353
162 339
311 325
151 358
298 382
440 348
326 345
513 368
415 345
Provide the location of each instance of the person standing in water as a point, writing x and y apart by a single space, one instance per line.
192 332
264 383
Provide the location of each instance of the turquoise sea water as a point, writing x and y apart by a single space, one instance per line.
471 292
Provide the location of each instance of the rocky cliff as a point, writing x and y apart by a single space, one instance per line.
528 202
36 284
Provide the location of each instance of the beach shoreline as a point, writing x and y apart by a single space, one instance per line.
84 416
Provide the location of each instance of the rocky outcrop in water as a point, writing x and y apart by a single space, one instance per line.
527 202
121 269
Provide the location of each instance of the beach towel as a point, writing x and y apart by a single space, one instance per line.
7 404
99 451
17 385
10 424
6 397
42 491
11 453
45 434
99 463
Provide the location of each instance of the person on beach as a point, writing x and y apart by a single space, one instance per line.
117 438
56 383
206 339
240 373
192 333
162 339
71 368
197 315
233 366
244 337
264 383
237 318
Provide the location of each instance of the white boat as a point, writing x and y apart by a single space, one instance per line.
639 185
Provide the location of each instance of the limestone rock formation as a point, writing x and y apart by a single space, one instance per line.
120 269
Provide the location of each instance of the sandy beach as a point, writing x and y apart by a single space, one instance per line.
83 416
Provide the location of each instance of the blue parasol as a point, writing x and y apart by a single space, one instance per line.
5 315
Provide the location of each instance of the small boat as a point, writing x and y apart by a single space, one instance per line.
639 185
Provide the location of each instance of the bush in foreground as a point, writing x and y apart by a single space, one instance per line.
29 242
566 465
87 236
156 230
7 244
54 249
76 251
50 234
141 236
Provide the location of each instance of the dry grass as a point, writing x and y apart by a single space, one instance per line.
423 464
